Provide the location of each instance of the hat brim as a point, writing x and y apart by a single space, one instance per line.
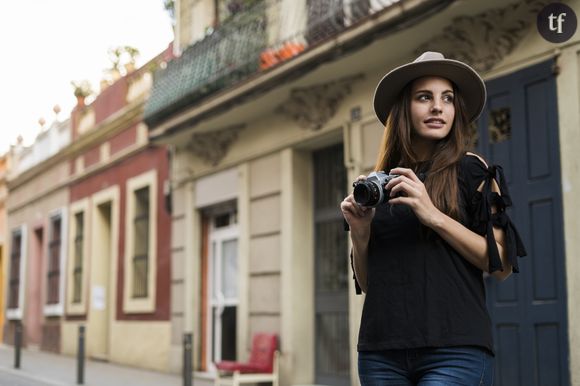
467 80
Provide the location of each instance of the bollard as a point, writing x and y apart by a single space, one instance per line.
187 370
81 357
17 343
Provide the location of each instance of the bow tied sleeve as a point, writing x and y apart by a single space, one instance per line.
480 217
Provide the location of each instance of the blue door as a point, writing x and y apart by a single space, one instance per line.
519 130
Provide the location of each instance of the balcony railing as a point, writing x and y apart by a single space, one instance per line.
253 40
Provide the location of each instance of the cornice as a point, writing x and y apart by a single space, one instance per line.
121 156
114 124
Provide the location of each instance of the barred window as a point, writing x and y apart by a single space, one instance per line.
15 256
141 243
78 257
54 247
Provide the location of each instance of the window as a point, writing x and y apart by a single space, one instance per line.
54 249
141 243
15 258
78 257
76 279
16 279
222 275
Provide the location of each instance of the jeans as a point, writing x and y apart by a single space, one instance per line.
463 365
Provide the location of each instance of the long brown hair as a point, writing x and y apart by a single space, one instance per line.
397 150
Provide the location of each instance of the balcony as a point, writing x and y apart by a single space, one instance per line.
251 42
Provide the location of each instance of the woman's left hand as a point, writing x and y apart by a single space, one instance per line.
408 189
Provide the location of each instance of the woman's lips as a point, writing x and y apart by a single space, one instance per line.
434 124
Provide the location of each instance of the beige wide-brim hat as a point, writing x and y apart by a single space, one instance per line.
465 78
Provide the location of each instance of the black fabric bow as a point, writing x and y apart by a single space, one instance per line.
514 245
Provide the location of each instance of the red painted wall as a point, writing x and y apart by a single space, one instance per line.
118 174
122 140
92 157
110 100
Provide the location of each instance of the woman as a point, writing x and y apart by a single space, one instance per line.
420 257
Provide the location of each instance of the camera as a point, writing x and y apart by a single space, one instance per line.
371 192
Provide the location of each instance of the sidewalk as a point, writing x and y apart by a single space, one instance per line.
60 370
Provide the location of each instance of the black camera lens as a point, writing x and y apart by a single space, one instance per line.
366 193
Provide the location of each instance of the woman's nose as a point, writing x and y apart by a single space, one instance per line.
436 107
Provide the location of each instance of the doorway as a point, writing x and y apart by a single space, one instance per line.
100 290
519 130
332 348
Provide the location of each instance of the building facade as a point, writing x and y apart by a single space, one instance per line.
36 207
266 142
118 271
88 232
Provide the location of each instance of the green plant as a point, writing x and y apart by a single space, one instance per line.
124 54
132 53
82 89
169 6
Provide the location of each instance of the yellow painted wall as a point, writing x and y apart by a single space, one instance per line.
69 337
133 343
142 344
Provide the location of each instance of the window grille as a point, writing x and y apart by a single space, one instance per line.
78 257
54 260
141 243
15 256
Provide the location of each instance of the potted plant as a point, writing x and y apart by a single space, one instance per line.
82 89
115 58
132 54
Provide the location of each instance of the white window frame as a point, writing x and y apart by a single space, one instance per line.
16 313
80 206
58 308
219 236
146 304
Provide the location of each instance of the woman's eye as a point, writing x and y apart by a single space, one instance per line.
448 98
424 97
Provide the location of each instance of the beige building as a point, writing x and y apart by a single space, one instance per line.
266 142
36 208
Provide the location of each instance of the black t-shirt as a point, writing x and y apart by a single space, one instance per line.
421 292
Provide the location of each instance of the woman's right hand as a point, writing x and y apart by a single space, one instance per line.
358 217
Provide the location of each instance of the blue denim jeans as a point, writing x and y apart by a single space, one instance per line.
464 365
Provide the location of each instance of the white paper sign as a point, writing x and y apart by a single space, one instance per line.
98 297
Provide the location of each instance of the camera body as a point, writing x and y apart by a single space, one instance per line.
371 192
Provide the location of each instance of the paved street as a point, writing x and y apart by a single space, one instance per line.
45 369
12 378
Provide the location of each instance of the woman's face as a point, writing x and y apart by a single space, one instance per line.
432 108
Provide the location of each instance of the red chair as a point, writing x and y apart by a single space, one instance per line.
262 366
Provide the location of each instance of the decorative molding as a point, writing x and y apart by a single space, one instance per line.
312 107
114 124
212 146
485 39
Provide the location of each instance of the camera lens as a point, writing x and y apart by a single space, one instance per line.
366 194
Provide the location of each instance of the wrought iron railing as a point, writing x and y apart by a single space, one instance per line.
253 40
